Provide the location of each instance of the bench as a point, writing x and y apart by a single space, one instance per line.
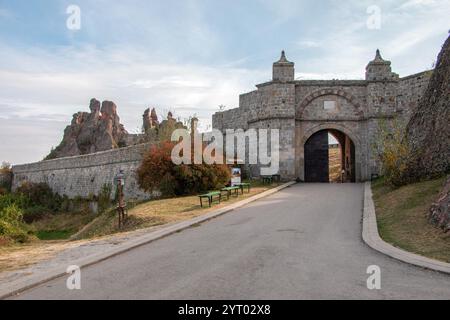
244 185
277 178
267 179
229 190
210 196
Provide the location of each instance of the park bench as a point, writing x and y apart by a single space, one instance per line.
210 196
242 186
267 179
229 190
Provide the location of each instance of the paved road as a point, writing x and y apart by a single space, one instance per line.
302 243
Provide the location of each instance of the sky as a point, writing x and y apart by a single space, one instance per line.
187 56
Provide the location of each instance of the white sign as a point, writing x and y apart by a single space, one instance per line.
236 175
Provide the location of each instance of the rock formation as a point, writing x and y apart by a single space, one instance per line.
156 131
428 131
439 212
150 120
428 134
99 130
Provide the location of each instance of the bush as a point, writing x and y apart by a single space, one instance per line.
158 173
5 177
34 213
9 199
40 194
3 191
104 198
393 152
34 201
11 224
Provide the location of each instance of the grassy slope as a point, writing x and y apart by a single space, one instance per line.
158 212
58 228
402 218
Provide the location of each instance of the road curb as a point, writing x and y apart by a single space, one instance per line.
24 284
372 238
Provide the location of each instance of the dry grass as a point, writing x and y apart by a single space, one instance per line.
62 225
335 164
402 218
14 257
145 215
157 213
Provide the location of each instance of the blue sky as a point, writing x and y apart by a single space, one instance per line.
186 56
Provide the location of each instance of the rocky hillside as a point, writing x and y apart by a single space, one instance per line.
429 137
429 129
94 131
101 130
440 212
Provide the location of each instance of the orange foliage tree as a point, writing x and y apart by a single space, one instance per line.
158 173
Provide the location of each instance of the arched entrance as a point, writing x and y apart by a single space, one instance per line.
330 157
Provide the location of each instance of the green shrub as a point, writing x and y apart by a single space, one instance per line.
9 199
3 191
34 201
393 152
6 173
34 213
40 194
168 185
104 198
11 223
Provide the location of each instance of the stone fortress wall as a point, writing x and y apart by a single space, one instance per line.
84 176
296 108
409 92
82 173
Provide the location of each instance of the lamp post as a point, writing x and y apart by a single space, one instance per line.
121 206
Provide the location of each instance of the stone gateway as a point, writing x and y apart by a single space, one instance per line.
307 111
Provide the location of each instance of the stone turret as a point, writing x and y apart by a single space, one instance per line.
283 70
380 69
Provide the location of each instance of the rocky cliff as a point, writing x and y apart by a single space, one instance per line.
428 131
101 130
90 132
439 212
428 134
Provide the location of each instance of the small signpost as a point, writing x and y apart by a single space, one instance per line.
236 176
121 206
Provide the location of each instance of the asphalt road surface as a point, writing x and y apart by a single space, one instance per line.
301 243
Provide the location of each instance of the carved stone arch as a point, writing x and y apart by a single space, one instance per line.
332 126
358 145
325 92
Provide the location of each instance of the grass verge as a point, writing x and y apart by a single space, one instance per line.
402 218
60 226
54 232
159 212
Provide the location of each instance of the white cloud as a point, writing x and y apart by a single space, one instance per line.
308 44
41 86
142 56
414 4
